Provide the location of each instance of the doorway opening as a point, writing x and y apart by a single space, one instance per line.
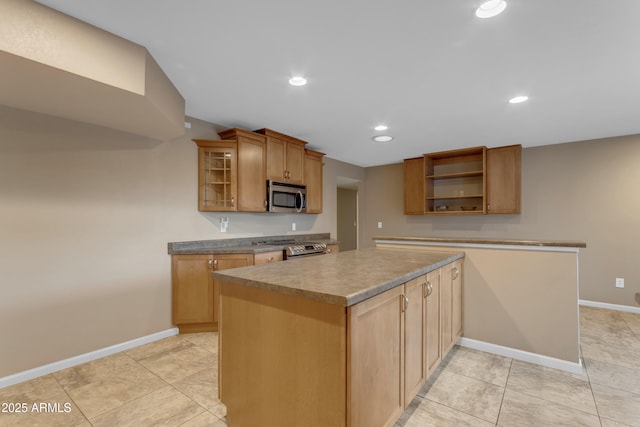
347 215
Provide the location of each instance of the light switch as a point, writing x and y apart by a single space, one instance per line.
379 224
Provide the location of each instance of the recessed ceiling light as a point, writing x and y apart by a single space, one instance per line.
297 81
490 8
518 99
382 138
381 127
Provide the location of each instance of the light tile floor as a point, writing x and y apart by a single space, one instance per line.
173 382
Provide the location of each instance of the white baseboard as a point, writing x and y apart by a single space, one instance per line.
83 358
605 305
525 356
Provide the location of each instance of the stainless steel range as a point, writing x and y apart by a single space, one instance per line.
296 249
304 249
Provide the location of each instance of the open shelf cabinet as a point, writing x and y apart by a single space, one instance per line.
455 182
470 181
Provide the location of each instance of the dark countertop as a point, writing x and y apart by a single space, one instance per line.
253 245
343 278
514 242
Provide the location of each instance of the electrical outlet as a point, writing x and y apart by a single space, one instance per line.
293 226
224 223
619 282
379 224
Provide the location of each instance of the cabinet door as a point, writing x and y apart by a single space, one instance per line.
446 291
503 180
414 186
295 163
414 338
457 320
192 290
375 348
217 178
451 304
313 180
276 158
433 354
252 183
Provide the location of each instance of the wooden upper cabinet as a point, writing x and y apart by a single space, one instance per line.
313 180
414 186
251 169
469 181
217 175
285 157
503 179
455 181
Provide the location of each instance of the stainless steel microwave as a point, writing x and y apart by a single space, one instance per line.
286 197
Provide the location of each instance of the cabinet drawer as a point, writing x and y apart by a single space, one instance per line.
267 257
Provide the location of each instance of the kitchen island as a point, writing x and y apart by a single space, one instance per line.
335 340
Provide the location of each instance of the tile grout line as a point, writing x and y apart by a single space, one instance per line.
504 392
71 399
189 397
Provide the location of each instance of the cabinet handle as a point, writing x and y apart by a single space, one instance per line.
215 263
210 263
328 250
429 289
455 273
405 303
270 259
233 201
265 203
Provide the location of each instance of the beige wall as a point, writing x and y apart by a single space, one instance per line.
85 217
576 191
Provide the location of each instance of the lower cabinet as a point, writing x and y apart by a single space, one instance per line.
195 295
376 348
433 323
451 304
332 249
397 339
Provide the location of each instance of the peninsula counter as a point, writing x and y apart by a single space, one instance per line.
521 296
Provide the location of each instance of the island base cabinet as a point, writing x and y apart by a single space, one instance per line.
433 354
286 360
281 359
375 386
451 305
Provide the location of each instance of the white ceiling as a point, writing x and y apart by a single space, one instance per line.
439 77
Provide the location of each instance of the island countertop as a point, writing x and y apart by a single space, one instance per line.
344 278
